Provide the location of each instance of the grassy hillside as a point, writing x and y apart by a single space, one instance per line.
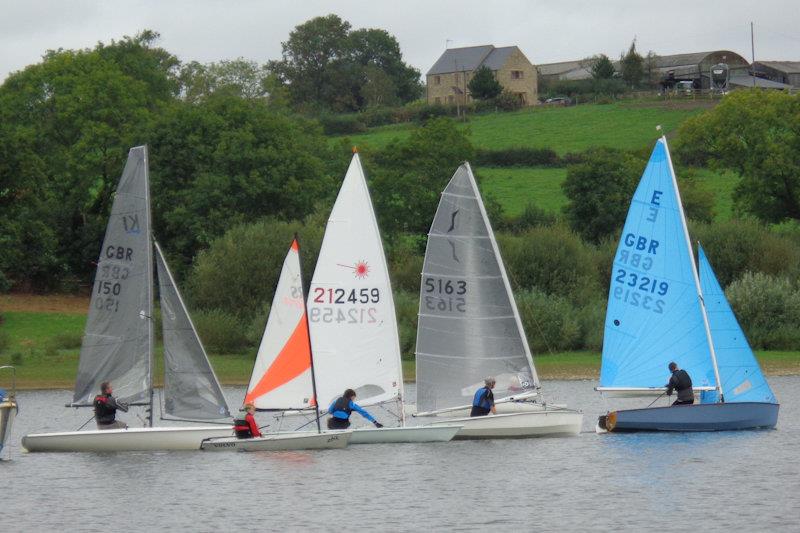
628 125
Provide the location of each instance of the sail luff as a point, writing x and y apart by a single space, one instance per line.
150 282
504 275
695 273
169 284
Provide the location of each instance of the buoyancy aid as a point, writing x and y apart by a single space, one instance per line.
104 411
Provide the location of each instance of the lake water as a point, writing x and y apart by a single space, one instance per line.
747 481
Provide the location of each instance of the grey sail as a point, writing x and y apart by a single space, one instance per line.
118 336
191 389
469 326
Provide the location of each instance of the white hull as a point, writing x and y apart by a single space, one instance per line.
125 440
438 433
542 423
8 410
281 442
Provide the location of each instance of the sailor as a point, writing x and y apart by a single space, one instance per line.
342 407
483 402
681 382
105 408
246 428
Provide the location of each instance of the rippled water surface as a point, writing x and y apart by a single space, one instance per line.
744 481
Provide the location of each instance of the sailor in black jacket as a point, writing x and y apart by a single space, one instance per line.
681 382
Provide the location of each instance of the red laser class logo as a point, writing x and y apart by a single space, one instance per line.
360 269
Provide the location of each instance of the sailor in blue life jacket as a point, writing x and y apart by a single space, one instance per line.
341 409
105 408
681 382
483 402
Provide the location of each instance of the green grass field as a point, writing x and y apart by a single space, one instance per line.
30 335
625 125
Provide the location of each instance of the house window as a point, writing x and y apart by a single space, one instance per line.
516 74
437 100
437 80
450 99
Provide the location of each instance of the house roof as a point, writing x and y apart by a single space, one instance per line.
553 69
747 81
787 67
470 58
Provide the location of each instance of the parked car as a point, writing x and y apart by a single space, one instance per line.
558 100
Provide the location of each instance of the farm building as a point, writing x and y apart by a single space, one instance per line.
787 72
448 79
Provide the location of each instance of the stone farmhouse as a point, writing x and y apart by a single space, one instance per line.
448 79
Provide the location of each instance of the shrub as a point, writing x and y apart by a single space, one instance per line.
551 259
221 332
592 318
531 217
740 246
254 331
342 124
5 340
517 156
405 263
406 306
67 341
768 309
550 322
379 116
698 201
16 359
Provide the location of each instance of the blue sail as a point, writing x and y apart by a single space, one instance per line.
739 372
653 314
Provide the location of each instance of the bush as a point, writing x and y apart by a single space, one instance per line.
740 246
221 332
550 322
406 306
16 359
592 319
553 260
531 217
379 116
5 340
768 309
517 156
254 331
67 341
405 263
505 101
698 201
342 124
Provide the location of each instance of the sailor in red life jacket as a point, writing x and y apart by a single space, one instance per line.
246 428
105 408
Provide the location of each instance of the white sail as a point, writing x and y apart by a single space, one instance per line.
281 378
351 309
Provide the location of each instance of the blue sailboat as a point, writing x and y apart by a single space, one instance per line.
661 309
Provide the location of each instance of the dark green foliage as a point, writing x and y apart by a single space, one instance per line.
67 341
408 176
768 309
756 134
698 201
740 246
405 262
602 67
5 340
221 331
238 273
599 191
632 67
505 101
522 156
406 307
531 217
342 124
550 322
483 85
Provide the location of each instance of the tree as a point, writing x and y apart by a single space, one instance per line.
632 66
239 76
602 68
755 134
599 191
483 85
410 174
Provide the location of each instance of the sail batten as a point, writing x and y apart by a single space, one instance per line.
469 327
191 388
350 303
118 336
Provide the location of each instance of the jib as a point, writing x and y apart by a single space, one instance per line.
641 243
120 253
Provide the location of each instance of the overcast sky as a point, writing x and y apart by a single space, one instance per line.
546 31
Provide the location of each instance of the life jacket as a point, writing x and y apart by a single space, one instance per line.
103 412
242 428
341 406
483 398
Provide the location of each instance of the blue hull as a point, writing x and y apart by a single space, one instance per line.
700 417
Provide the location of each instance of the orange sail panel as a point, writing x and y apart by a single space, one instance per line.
293 360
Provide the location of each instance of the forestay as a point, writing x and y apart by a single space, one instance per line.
740 373
469 326
351 308
281 377
118 335
191 389
654 314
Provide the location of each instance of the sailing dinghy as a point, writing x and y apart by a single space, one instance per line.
353 324
283 374
119 339
660 309
469 328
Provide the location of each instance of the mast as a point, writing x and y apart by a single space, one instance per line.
504 274
308 328
694 273
150 281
